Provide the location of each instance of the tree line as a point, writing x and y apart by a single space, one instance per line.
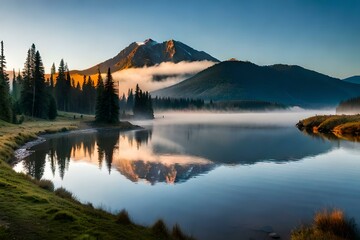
349 106
139 103
34 96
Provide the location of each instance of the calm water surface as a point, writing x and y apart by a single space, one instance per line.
220 176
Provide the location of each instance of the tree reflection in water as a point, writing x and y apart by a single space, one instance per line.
133 157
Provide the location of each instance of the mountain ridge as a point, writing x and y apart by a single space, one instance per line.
353 79
148 53
281 83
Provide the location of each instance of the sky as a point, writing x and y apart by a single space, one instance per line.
322 35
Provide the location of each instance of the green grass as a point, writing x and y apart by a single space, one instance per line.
328 225
30 209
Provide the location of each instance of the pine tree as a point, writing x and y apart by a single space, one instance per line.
15 88
67 89
99 94
52 74
3 74
60 87
52 112
5 100
143 104
109 101
40 101
130 100
26 85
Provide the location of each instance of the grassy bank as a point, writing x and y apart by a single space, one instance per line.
328 225
341 126
30 209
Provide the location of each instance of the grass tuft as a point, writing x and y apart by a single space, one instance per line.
177 233
64 216
123 218
328 225
63 193
336 222
160 229
34 199
46 184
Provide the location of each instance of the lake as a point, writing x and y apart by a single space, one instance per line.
220 176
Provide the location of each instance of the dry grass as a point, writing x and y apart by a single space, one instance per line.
328 225
339 126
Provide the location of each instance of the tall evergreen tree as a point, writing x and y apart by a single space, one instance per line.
52 75
5 101
130 101
40 100
52 111
99 94
142 104
109 110
67 89
15 88
60 87
27 89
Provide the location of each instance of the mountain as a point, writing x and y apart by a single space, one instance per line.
353 79
149 53
237 80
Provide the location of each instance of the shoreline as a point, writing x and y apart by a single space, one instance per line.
345 127
24 150
33 210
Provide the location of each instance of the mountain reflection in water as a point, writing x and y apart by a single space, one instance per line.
127 153
175 153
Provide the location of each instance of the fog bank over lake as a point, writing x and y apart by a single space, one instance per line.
271 118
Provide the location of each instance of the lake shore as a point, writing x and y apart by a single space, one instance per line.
345 127
31 209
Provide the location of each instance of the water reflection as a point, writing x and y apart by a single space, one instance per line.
236 144
173 153
127 153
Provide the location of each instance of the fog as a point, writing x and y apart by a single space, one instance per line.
171 73
251 119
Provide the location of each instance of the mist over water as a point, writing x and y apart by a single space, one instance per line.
271 118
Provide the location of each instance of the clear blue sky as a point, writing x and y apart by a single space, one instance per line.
323 35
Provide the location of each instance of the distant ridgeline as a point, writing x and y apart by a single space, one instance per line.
350 106
290 85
